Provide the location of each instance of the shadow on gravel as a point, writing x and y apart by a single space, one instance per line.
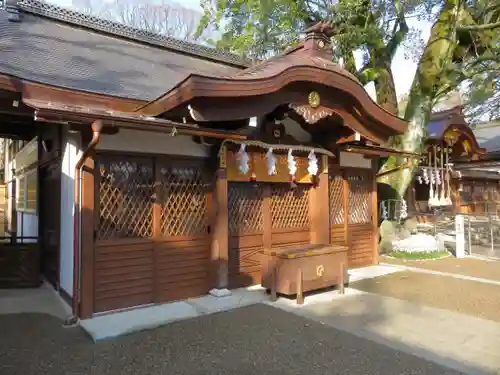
258 339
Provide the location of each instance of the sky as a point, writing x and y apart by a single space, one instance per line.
403 69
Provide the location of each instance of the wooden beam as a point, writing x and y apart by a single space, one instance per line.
87 237
220 237
319 207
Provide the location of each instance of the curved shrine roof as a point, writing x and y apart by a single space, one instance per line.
292 75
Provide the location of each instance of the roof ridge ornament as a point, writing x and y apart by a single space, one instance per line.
327 28
318 38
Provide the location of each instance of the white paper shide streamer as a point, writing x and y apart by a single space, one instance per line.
385 214
292 165
242 158
271 162
313 163
403 210
425 175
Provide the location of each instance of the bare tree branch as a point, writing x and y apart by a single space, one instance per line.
487 26
167 17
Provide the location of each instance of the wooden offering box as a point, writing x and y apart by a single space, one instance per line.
303 268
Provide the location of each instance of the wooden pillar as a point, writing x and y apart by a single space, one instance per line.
89 228
157 191
13 209
220 237
319 207
374 204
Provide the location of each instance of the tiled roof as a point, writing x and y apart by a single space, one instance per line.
61 47
488 136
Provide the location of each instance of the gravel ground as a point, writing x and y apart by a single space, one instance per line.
252 340
444 292
484 269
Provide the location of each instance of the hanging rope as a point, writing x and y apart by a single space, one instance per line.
281 147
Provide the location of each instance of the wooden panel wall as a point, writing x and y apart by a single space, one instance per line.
181 268
123 274
246 233
360 216
153 243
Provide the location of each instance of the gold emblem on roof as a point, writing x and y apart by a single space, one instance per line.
314 99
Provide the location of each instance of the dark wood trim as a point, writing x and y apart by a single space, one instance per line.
40 91
114 122
376 151
89 172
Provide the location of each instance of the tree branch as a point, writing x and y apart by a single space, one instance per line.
399 35
486 26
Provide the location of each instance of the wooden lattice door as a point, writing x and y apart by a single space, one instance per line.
290 220
246 226
360 218
152 241
124 252
337 210
182 255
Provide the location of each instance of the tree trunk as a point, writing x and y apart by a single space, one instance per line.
428 82
386 89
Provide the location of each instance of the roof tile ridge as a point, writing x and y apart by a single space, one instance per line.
113 28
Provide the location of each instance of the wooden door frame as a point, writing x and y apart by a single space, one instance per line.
91 215
373 201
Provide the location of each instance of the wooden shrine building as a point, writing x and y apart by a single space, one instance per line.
461 167
188 162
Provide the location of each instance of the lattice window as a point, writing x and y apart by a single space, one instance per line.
359 199
183 200
290 207
336 192
245 208
477 192
466 193
125 190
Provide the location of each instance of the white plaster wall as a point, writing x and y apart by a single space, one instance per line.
27 225
150 142
295 130
71 153
350 159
